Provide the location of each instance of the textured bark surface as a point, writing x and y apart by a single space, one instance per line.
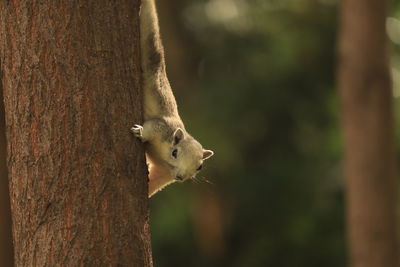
71 78
366 96
6 247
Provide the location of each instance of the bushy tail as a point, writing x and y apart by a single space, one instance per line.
158 97
152 55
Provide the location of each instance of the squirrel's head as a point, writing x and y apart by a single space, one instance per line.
186 155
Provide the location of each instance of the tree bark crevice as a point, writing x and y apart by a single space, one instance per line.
6 246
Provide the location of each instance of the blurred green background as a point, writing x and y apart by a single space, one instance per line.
255 82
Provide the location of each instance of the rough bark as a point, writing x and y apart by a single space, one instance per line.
6 247
367 115
71 79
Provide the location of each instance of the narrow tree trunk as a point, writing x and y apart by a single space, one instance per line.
6 247
71 79
366 96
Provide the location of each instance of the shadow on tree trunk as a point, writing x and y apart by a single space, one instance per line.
6 247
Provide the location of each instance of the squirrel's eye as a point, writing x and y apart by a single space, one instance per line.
199 168
175 153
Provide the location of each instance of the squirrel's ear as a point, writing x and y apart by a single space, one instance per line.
207 154
178 136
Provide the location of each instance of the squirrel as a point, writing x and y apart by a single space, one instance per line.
172 154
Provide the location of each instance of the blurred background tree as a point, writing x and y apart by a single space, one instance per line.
367 119
254 81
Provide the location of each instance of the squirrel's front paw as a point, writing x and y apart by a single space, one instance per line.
137 130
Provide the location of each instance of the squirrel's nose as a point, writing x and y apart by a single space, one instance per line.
179 178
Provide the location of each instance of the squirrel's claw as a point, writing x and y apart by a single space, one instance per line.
137 130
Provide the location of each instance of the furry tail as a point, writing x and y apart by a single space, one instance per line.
151 46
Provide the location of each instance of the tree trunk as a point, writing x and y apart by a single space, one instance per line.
6 247
367 115
71 78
